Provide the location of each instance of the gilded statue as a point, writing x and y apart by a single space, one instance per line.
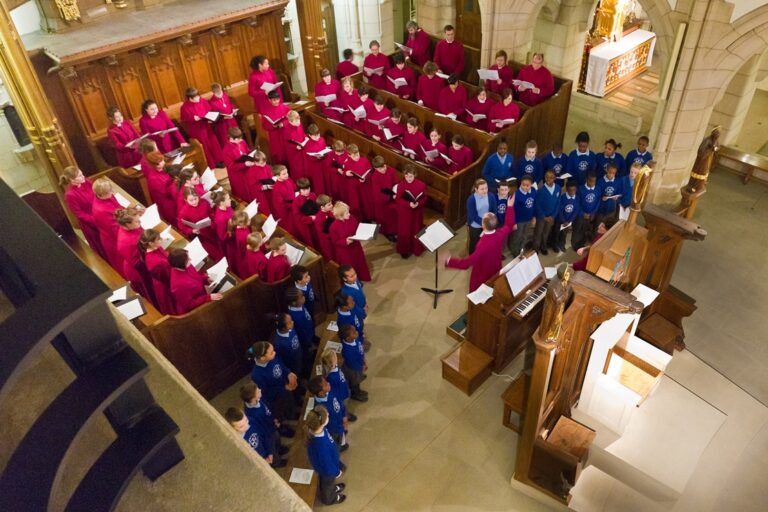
642 181
704 160
558 293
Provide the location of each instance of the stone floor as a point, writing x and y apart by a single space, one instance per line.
753 137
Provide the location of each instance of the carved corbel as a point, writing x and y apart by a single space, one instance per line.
150 49
109 61
185 40
68 73
252 21
220 31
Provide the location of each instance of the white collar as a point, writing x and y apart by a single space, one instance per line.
579 153
294 308
340 312
353 285
287 334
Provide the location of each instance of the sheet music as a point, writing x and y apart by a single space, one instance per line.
365 232
321 153
310 406
178 159
252 209
406 50
442 75
269 227
488 74
208 179
121 200
325 99
550 272
301 476
151 217
431 154
516 279
481 295
623 213
196 252
523 84
565 176
212 116
333 326
166 238
132 309
503 122
294 253
334 345
217 272
373 71
268 87
137 167
398 82
119 294
435 236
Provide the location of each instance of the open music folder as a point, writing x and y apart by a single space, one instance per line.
435 235
521 272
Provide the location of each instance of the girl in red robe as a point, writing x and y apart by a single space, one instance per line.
357 172
222 213
79 196
192 114
261 74
329 86
237 171
273 119
335 171
187 178
375 60
348 251
506 74
257 174
221 102
383 180
541 78
392 128
348 99
479 105
295 140
193 211
187 284
255 261
505 110
283 194
410 199
239 228
104 207
414 140
128 235
124 137
377 116
429 87
155 120
460 155
314 165
156 261
302 215
453 99
432 145
403 72
160 185
322 225
278 266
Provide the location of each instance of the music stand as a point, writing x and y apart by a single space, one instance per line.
433 237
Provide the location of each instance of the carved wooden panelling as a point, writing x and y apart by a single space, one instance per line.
231 56
90 95
166 74
197 60
129 84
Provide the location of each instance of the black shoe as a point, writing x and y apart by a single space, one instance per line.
351 417
360 397
344 448
287 431
280 463
342 466
544 252
283 450
561 248
405 256
340 487
340 498
392 238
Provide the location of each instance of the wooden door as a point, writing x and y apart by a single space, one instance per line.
329 27
468 23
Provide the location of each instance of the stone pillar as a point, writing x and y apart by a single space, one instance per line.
376 21
348 28
731 110
560 36
433 15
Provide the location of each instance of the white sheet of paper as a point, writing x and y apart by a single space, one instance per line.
481 295
334 345
310 406
565 226
212 116
333 326
208 179
503 122
432 153
294 254
615 196
119 294
564 176
268 87
550 272
373 71
132 309
645 294
137 167
321 153
269 227
151 217
388 134
325 99
488 74
442 75
364 231
523 83
398 82
178 159
435 236
516 279
196 252
623 213
166 238
252 209
122 201
217 272
406 50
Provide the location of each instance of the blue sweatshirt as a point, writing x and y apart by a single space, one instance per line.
547 201
501 209
309 294
271 377
568 209
254 438
589 199
323 454
524 206
351 317
496 168
532 168
634 157
559 164
607 189
602 163
627 187
580 163
338 383
474 219
353 353
336 411
356 292
303 325
288 347
260 417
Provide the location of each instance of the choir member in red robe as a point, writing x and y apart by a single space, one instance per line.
261 74
401 72
413 140
488 254
192 114
273 119
383 180
128 235
418 42
460 155
335 171
315 164
260 181
160 184
348 251
479 105
221 102
374 61
278 266
193 211
155 259
392 130
124 137
541 78
295 139
187 178
429 86
187 284
222 214
449 53
283 193
377 116
302 214
104 207
506 74
321 226
349 101
504 111
79 196
155 120
410 200
347 67
238 165
434 144
357 171
255 260
327 88
453 99
238 229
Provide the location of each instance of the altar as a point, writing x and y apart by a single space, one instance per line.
611 64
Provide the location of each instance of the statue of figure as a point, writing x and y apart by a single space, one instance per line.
704 159
558 293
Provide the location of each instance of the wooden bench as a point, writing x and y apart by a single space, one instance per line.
466 367
514 402
742 163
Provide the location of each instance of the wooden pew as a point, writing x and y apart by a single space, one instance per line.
744 164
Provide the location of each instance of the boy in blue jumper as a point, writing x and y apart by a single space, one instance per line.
324 395
501 202
352 286
498 167
287 344
628 184
275 380
589 199
260 416
529 165
252 436
324 457
639 155
354 366
547 202
525 201
301 280
610 187
567 213
304 326
582 159
557 161
479 202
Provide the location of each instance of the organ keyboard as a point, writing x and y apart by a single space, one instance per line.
530 301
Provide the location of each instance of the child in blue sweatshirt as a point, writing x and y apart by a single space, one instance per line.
304 326
324 395
324 457
498 167
582 159
639 155
525 201
260 416
610 187
274 379
529 165
610 156
302 280
352 286
479 202
501 202
589 199
547 202
567 213
286 343
628 185
347 313
557 161
252 436
354 366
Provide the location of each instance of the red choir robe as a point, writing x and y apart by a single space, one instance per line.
351 254
227 119
188 289
323 237
80 199
476 107
161 190
376 61
237 171
255 80
120 135
349 100
335 174
103 211
302 223
357 192
225 239
374 114
240 238
167 142
460 159
346 68
449 57
283 194
274 129
452 101
500 112
419 44
414 142
397 130
487 258
428 90
133 267
160 271
542 79
383 199
438 162
410 220
180 202
506 74
207 235
314 167
295 138
278 267
259 191
255 265
329 110
404 91
201 130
